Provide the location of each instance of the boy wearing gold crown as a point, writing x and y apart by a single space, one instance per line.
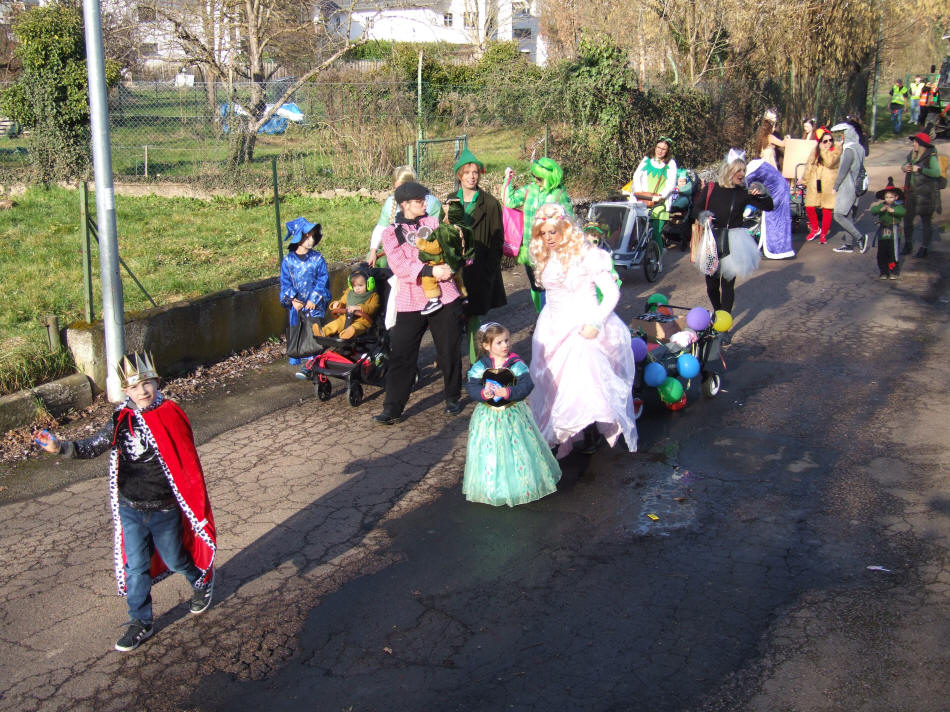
160 507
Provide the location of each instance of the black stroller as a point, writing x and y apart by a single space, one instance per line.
706 349
360 361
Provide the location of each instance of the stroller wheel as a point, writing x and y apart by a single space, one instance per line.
651 261
637 408
324 389
711 385
355 394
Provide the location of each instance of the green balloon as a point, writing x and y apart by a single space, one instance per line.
657 299
671 390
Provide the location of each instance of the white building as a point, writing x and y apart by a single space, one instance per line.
453 21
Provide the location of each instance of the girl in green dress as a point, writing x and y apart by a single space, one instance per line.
508 461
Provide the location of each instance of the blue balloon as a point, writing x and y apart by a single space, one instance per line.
639 347
687 365
654 374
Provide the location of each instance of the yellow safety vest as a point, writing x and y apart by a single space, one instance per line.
916 89
898 95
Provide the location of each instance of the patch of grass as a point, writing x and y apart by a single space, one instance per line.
24 364
178 248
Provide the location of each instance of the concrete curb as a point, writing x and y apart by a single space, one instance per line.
56 398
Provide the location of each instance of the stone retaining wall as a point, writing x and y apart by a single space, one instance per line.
185 334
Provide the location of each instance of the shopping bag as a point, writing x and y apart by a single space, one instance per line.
301 341
708 260
513 222
744 256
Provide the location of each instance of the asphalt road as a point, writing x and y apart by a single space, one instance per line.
354 576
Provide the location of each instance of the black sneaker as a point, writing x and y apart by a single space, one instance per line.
843 248
136 634
388 417
201 597
454 406
431 307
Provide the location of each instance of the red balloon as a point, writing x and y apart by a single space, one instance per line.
678 405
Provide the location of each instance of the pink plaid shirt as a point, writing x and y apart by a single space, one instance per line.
404 261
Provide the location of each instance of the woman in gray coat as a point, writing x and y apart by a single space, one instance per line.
852 161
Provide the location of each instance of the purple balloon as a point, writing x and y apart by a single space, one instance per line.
639 349
698 318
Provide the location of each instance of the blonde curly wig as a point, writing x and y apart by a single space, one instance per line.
572 243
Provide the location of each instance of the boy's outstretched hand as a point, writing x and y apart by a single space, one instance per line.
46 440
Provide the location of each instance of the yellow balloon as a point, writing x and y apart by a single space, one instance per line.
722 320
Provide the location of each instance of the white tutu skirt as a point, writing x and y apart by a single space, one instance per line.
744 256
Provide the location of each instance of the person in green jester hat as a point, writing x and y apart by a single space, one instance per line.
482 276
547 188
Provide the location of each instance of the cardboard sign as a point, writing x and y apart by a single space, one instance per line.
797 153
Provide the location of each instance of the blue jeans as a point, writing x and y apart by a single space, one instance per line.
915 110
144 533
897 113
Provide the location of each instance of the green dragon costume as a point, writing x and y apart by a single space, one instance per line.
531 197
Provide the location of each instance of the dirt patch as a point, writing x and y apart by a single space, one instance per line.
16 445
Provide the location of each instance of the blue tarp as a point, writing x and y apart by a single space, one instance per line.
276 124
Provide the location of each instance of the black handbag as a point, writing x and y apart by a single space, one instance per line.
301 341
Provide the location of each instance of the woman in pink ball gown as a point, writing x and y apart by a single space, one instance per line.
581 361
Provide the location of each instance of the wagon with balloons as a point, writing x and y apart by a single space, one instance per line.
672 351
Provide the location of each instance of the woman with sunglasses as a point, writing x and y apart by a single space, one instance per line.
653 183
820 173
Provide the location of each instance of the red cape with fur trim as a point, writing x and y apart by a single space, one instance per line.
170 430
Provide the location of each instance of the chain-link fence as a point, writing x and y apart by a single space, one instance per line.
335 134
329 135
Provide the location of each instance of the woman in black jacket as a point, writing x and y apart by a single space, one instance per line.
723 203
482 277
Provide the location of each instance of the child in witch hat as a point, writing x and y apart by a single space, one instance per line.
889 214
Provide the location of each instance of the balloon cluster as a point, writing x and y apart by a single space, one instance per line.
655 374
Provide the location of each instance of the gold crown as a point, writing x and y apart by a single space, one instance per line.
137 369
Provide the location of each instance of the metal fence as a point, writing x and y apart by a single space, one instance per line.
350 134
346 134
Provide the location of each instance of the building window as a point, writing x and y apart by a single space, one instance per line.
521 33
471 20
447 19
148 49
145 13
520 8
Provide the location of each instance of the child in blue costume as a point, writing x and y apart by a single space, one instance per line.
304 277
508 461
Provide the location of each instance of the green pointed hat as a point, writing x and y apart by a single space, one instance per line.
466 157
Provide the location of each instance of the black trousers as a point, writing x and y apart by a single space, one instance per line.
926 225
405 337
721 292
887 253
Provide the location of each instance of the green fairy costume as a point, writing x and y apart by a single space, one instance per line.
531 197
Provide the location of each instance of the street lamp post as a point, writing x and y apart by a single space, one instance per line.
113 316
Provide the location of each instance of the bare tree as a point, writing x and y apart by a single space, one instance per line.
232 38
